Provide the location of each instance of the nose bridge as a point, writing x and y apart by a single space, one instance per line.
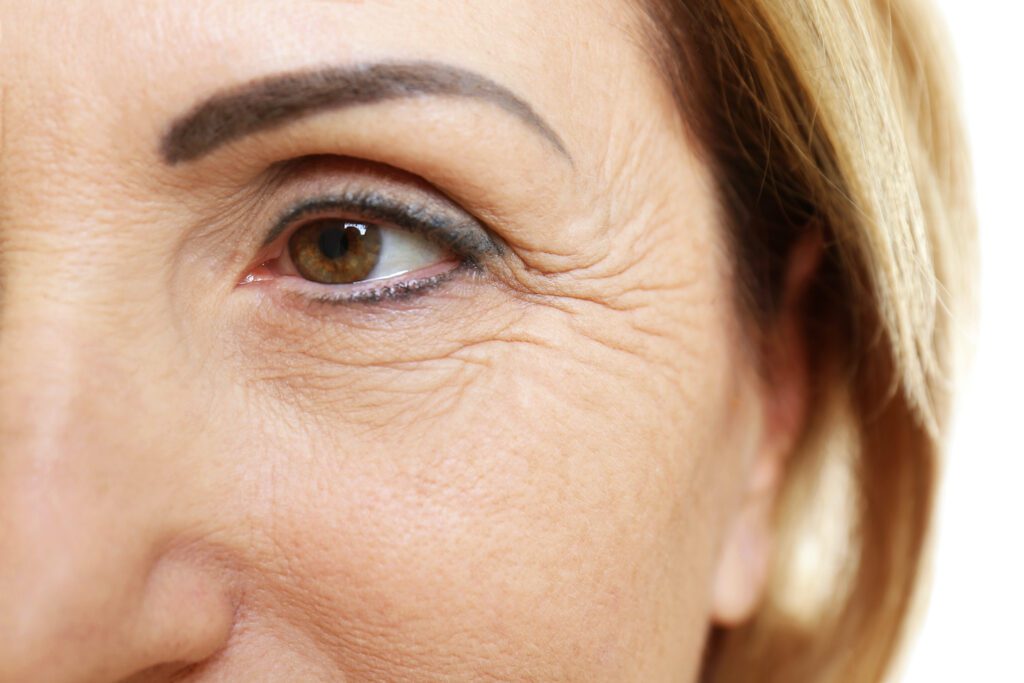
91 498
66 462
108 565
64 373
84 353
77 310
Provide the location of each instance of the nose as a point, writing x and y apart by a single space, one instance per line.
106 572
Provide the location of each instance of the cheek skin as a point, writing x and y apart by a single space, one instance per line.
493 547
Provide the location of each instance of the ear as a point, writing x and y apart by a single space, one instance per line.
745 556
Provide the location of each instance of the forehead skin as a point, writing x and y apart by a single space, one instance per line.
523 476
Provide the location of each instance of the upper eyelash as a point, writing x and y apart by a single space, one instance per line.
465 237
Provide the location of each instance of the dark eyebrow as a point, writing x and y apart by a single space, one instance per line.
275 100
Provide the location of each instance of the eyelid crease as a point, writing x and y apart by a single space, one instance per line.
464 236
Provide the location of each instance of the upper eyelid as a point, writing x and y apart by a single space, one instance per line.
462 234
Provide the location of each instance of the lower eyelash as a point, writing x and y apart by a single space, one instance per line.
398 291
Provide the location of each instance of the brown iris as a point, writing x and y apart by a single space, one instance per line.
335 252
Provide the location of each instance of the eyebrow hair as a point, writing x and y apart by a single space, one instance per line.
273 101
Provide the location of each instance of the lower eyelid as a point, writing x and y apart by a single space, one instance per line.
397 286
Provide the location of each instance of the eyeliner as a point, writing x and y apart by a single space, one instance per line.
463 235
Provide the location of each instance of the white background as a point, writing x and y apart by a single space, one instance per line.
974 628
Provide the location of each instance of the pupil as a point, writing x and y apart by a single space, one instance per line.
333 243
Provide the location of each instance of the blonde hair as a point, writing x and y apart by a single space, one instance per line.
838 116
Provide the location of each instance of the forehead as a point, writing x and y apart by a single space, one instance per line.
87 72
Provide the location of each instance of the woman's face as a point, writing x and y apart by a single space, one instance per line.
349 340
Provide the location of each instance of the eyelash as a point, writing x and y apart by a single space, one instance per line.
397 291
463 236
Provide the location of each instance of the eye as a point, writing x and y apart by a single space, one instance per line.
368 246
334 251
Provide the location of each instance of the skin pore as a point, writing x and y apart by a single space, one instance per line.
553 462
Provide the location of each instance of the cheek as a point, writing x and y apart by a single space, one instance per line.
545 510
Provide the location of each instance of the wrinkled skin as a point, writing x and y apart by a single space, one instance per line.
557 468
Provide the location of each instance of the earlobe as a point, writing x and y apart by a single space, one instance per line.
744 561
743 564
745 556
